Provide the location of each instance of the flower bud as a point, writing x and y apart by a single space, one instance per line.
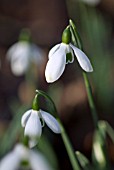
66 36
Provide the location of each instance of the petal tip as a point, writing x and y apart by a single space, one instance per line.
89 69
49 78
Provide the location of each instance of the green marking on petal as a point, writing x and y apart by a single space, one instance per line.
24 163
69 58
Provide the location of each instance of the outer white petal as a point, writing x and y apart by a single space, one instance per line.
17 49
19 65
33 127
11 51
25 117
22 151
51 122
37 54
53 50
82 59
10 162
38 161
19 55
33 142
56 65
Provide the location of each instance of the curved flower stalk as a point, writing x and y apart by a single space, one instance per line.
22 157
62 54
34 120
77 41
21 54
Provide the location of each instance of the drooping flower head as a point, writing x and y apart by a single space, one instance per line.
22 54
33 121
62 54
22 157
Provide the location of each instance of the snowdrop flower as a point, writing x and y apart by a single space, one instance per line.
62 54
33 121
22 157
21 54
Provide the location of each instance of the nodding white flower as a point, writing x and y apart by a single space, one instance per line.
21 54
20 155
62 54
34 120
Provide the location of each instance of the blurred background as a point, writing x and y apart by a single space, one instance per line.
46 21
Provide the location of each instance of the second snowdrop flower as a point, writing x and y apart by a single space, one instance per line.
23 53
34 119
23 158
62 54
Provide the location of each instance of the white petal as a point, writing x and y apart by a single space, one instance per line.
22 151
56 65
33 127
33 142
82 59
25 117
10 162
37 54
11 51
38 161
19 55
19 65
53 50
18 49
51 122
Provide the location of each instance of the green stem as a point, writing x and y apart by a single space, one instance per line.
90 99
69 148
76 38
64 136
77 41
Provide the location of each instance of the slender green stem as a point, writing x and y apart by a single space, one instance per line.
77 41
76 37
69 148
90 99
64 136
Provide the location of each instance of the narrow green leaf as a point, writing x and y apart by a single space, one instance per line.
99 154
84 162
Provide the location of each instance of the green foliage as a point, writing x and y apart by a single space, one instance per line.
84 162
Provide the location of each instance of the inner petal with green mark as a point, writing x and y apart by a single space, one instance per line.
69 58
25 164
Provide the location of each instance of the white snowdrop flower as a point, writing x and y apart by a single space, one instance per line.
92 2
20 154
34 120
62 54
58 60
21 54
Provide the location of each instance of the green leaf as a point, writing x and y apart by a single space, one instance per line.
100 155
108 129
84 162
13 132
75 35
